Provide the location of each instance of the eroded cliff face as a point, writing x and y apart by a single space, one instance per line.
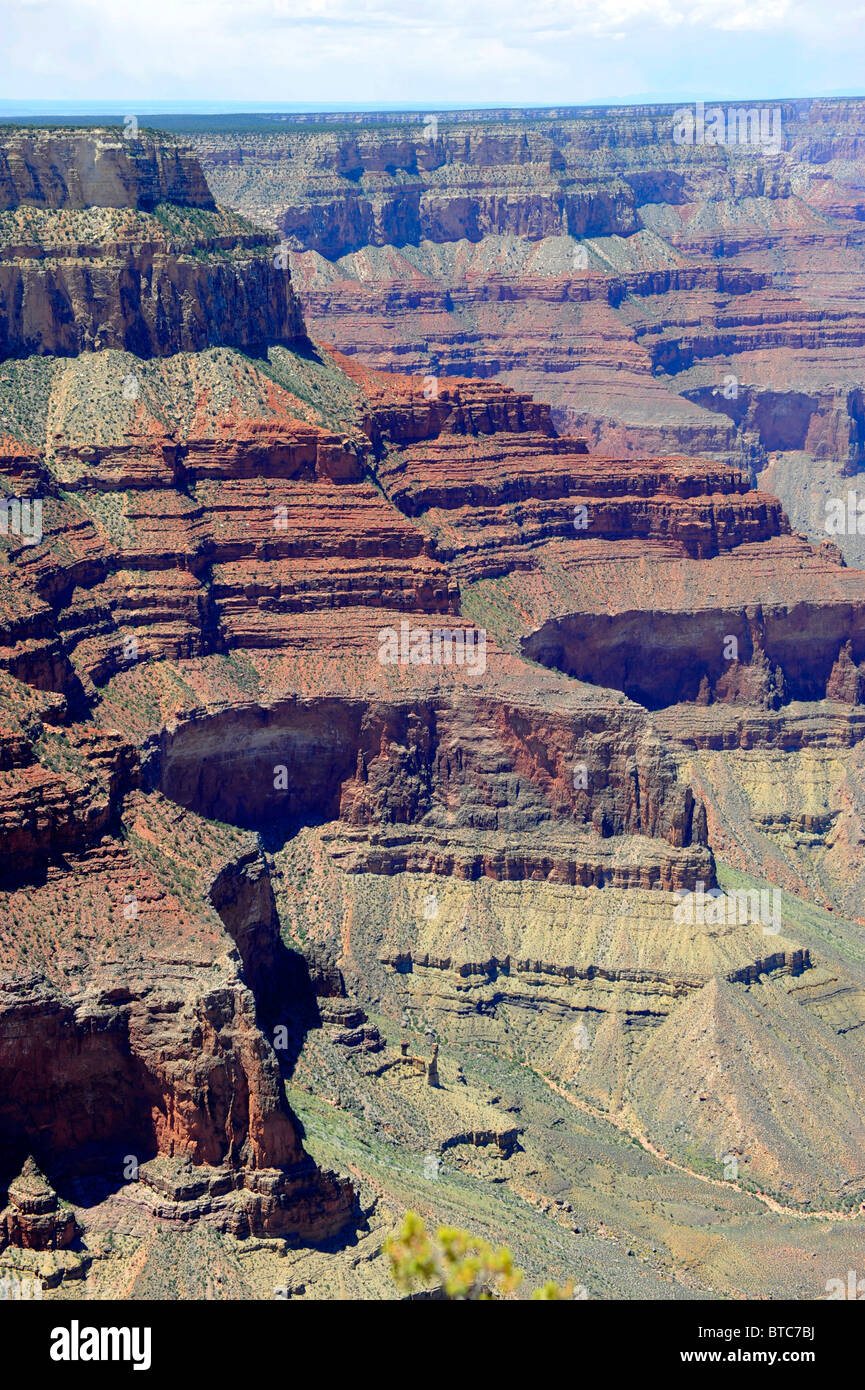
133 1005
150 303
114 242
663 295
652 1021
352 190
316 680
224 597
108 168
133 1045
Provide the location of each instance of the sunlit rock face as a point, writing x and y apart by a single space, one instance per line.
662 293
330 692
116 243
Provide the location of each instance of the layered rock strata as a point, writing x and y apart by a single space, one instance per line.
309 663
664 293
114 242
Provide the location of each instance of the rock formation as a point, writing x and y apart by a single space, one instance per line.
116 243
332 696
664 296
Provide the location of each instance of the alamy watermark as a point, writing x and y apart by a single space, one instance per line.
731 1161
751 127
16 1287
850 1288
431 1167
21 516
729 388
422 646
739 907
77 1343
846 516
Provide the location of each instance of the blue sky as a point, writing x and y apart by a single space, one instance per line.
323 53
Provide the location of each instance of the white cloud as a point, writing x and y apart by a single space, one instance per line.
422 50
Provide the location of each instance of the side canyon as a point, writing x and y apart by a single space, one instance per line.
431 767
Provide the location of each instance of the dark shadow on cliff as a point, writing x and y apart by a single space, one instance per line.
285 982
290 1009
300 347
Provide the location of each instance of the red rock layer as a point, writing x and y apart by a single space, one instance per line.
223 589
700 263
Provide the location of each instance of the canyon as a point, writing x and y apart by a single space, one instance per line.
663 295
247 862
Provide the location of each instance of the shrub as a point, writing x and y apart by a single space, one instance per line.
461 1265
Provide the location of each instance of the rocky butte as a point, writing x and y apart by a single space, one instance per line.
294 936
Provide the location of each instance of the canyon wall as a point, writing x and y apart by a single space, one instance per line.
663 294
320 679
109 242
